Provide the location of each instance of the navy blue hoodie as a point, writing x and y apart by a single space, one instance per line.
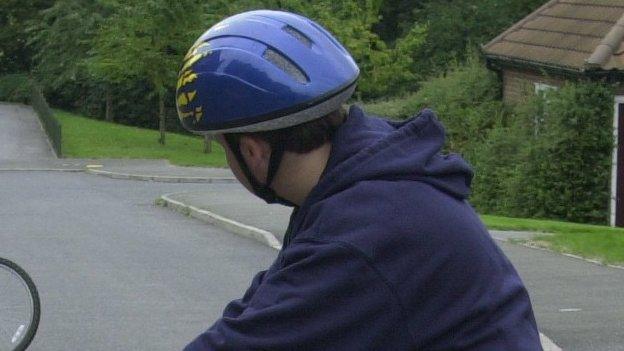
384 254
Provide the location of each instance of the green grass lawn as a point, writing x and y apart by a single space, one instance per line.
592 241
88 138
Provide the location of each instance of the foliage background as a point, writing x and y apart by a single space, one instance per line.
83 51
114 59
549 157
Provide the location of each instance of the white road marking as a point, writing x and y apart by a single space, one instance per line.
570 309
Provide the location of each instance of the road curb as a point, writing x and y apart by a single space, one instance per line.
260 235
75 170
156 178
547 344
576 257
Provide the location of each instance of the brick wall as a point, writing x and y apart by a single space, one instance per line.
517 84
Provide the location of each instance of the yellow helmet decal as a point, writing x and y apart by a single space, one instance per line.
185 98
197 113
187 76
195 53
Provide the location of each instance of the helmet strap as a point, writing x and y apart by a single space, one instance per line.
263 191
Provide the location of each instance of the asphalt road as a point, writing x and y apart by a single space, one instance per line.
114 271
579 305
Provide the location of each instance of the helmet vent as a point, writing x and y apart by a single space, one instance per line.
285 65
298 35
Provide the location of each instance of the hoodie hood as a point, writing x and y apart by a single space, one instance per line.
369 148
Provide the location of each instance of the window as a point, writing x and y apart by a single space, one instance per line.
541 89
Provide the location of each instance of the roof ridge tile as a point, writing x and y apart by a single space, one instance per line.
608 46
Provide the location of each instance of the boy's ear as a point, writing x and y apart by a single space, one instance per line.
257 155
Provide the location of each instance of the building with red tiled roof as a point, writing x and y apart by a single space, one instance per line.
563 40
576 35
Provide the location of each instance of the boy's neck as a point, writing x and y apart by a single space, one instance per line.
299 173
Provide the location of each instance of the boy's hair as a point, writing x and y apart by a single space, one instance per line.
304 137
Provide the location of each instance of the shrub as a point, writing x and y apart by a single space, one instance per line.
552 161
566 165
494 161
394 108
550 158
466 99
14 88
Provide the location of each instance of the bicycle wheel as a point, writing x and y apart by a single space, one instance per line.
19 307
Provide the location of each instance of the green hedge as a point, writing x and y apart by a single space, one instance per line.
567 170
553 161
547 158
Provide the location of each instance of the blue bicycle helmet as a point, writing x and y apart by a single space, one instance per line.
262 70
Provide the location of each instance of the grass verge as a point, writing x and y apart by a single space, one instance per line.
603 243
88 138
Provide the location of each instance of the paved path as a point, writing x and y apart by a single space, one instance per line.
21 135
114 271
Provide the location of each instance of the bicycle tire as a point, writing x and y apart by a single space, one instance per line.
29 334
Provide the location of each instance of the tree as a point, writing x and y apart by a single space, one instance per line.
145 40
396 18
385 69
62 39
453 25
15 55
15 19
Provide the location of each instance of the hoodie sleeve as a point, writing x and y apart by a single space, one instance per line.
325 296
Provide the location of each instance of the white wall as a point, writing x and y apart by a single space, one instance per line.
614 165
